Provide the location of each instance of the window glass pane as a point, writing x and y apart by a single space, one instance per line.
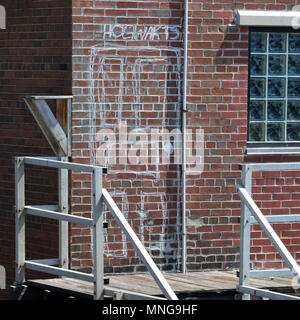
258 65
293 131
294 65
276 65
276 87
277 42
258 42
293 110
257 132
294 42
276 110
294 87
257 110
275 131
257 87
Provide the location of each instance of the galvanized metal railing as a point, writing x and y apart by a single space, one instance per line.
100 196
250 213
96 223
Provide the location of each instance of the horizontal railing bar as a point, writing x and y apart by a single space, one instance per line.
266 293
42 157
59 164
57 216
273 166
47 97
140 249
58 271
271 273
51 207
280 218
47 262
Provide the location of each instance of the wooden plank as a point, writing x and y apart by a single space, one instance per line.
63 115
269 282
82 289
182 282
144 284
133 283
207 284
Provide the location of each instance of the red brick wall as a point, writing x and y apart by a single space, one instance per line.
218 93
35 58
217 103
134 45
126 66
276 193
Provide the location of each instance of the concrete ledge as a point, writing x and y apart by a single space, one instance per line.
268 18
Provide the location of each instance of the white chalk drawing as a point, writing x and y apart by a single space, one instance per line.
122 86
125 84
120 197
168 240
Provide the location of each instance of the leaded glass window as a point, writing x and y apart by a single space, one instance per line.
274 87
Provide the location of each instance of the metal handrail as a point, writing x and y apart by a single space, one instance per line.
250 213
100 196
96 223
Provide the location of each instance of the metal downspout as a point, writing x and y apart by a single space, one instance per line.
184 110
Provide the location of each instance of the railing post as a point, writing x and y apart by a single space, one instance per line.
63 205
245 233
97 234
19 220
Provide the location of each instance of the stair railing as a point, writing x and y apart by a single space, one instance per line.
100 196
250 213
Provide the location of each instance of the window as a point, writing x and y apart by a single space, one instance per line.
274 87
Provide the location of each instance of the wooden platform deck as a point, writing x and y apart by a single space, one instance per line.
192 284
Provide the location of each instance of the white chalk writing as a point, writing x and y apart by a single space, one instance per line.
139 32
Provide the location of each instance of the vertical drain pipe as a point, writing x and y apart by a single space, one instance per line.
184 110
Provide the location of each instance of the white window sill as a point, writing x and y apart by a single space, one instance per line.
272 151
